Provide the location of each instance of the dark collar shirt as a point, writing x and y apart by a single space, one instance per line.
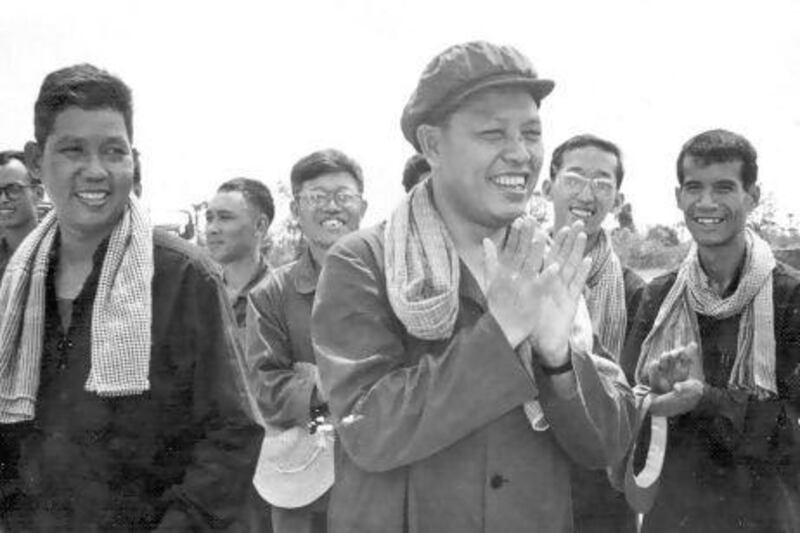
733 463
239 302
179 456
278 336
433 433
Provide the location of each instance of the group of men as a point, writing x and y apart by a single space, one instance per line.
454 368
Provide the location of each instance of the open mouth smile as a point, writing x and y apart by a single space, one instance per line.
513 182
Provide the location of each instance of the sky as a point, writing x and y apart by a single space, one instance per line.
238 88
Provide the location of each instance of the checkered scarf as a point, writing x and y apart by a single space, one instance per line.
121 315
423 276
605 296
676 323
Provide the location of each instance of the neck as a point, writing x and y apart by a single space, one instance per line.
239 273
14 236
76 247
722 263
317 252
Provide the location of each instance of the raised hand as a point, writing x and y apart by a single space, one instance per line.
531 302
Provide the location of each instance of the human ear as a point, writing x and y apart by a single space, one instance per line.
33 159
430 141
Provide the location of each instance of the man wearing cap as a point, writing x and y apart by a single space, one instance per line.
457 366
19 194
327 186
718 341
586 173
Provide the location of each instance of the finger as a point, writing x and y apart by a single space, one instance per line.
555 246
579 279
490 261
533 264
526 242
574 258
514 250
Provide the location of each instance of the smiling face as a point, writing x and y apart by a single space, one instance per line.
487 157
574 197
87 168
324 220
714 202
18 203
234 228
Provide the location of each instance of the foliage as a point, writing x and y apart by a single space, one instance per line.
284 241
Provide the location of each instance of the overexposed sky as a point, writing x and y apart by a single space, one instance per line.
225 89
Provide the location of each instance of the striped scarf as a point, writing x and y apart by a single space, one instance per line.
121 315
423 277
676 323
605 296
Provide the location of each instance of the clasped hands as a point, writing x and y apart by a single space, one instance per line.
532 290
670 377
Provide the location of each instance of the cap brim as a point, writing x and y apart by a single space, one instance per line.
290 490
538 88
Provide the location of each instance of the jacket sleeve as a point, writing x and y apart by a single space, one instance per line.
283 396
595 426
394 410
228 440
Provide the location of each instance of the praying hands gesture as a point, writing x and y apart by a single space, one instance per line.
533 292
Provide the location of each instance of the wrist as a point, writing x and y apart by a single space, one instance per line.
563 368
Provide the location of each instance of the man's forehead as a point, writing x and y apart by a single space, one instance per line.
233 201
331 181
589 158
498 101
76 122
14 171
697 168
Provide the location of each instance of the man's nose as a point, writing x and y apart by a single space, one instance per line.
706 200
517 150
95 168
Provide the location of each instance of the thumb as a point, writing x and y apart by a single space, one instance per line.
490 261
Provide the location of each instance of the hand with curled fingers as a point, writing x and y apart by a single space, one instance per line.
676 379
533 292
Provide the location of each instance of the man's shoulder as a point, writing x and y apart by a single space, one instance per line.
172 254
366 244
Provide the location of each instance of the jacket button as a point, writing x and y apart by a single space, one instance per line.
497 481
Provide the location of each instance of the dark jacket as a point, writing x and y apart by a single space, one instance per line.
438 440
598 507
181 455
732 463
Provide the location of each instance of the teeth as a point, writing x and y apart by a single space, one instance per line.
707 220
582 213
90 195
510 181
332 224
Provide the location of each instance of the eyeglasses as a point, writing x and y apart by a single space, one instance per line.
13 191
575 184
317 199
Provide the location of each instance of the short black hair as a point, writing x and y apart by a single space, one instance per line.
322 162
582 141
84 86
6 156
255 193
416 167
721 146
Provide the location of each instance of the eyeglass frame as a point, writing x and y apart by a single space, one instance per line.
4 190
328 196
591 182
